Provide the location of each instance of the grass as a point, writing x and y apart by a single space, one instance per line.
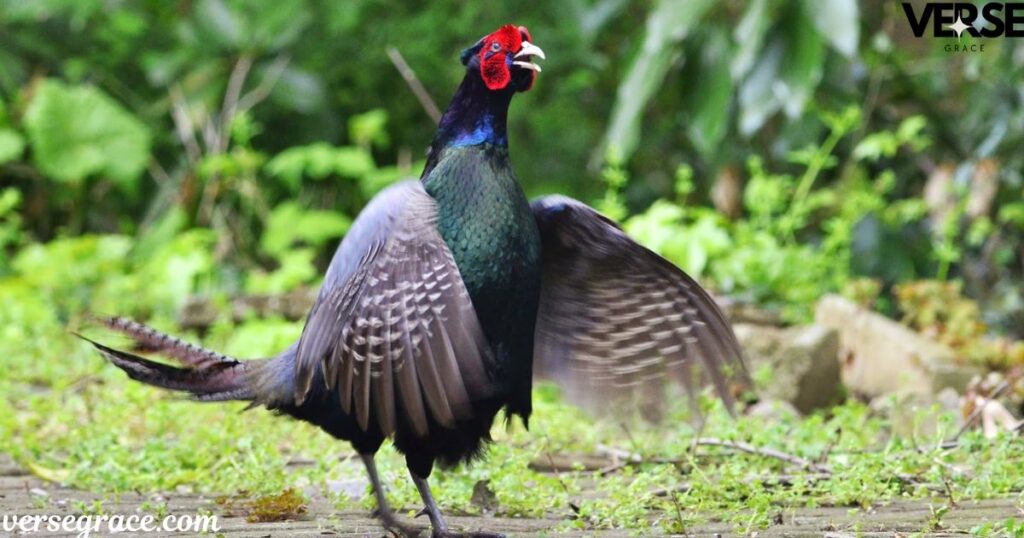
69 417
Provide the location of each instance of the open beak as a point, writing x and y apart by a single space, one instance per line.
529 50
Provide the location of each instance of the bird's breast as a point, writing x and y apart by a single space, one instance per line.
485 218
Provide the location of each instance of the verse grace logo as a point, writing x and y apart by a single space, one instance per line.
954 19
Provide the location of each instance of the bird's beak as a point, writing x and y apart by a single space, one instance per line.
529 49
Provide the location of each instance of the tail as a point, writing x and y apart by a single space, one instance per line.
207 375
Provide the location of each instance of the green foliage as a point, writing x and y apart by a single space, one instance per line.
77 132
11 234
939 310
319 161
667 24
289 224
789 225
12 144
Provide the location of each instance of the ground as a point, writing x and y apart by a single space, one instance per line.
21 494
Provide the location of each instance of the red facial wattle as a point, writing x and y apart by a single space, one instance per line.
497 54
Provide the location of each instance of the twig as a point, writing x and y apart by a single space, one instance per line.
414 84
183 124
230 107
1003 385
767 452
263 89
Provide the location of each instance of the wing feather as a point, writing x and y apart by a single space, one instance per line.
380 333
617 320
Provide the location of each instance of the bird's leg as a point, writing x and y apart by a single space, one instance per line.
433 512
383 511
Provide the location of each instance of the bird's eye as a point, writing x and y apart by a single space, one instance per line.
495 46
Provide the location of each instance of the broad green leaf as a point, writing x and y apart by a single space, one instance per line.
838 21
785 76
757 98
11 145
667 25
749 35
77 131
803 64
709 97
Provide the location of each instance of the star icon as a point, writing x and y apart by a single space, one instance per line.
958 27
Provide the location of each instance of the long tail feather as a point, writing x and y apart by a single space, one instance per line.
150 340
207 375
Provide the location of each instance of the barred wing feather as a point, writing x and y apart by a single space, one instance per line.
616 319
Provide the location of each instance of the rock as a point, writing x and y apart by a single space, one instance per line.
803 361
880 356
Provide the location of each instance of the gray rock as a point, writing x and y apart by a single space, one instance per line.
880 356
803 361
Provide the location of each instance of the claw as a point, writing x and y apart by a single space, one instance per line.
422 512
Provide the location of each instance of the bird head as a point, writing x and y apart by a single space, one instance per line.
504 59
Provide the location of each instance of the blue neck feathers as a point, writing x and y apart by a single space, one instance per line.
476 116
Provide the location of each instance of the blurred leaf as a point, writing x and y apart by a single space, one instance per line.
757 98
709 97
369 128
77 132
838 21
803 64
786 75
218 23
593 17
290 224
299 90
11 145
749 35
375 181
319 161
171 272
667 24
58 476
296 268
875 146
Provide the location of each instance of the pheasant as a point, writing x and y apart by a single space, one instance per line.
444 292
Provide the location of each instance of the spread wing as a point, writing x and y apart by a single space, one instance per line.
616 319
393 333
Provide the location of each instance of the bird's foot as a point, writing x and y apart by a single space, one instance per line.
391 522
